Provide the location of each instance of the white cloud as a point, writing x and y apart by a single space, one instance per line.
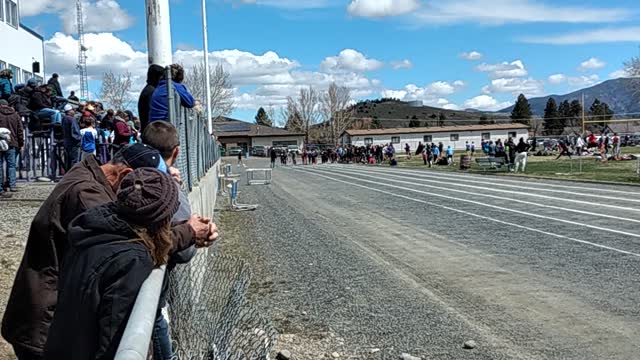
515 86
485 103
619 74
402 64
381 8
606 35
591 64
583 81
99 15
504 70
498 12
350 60
258 79
472 55
557 78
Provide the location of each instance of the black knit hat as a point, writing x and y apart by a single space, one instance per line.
147 198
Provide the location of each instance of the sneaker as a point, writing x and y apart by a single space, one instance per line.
5 195
15 189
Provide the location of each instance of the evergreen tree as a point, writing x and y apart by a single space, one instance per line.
553 124
441 119
376 124
600 111
521 111
483 120
575 113
262 118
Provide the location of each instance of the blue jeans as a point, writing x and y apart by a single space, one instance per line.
8 157
56 116
161 339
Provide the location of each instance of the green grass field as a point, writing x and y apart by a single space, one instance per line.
587 168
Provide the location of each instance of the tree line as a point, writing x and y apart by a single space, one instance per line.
558 117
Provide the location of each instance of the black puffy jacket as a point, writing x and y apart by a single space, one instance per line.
99 282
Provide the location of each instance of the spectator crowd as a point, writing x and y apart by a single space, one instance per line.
118 212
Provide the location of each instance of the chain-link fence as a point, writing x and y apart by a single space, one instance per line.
209 317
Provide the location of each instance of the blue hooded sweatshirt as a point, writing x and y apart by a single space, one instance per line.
159 105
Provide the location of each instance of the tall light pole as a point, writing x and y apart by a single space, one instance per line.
207 75
159 32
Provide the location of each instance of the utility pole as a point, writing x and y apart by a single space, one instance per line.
159 32
205 39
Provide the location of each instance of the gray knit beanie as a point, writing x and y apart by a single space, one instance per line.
148 198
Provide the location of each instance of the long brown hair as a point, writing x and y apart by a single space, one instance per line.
158 242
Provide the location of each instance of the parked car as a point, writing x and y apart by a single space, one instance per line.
293 148
234 151
259 151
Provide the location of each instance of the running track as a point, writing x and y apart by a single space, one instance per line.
530 269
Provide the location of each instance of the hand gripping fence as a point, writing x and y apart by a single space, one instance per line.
209 316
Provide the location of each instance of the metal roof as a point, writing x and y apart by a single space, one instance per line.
242 129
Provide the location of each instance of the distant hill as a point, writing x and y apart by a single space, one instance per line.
622 95
390 113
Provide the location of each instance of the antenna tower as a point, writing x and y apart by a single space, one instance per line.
82 54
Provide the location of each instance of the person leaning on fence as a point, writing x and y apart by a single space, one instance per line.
159 101
88 135
154 75
71 136
163 136
113 249
32 301
11 121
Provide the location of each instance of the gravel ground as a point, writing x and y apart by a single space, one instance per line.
15 218
411 268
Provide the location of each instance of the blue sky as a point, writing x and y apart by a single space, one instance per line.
452 54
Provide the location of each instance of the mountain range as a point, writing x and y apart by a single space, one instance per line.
622 95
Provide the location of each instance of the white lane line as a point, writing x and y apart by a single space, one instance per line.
368 174
587 203
599 228
424 174
503 179
315 173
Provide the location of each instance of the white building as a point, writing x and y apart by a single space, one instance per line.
234 133
21 47
456 136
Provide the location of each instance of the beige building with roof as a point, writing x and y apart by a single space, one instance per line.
456 136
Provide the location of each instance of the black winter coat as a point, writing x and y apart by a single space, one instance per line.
154 74
100 279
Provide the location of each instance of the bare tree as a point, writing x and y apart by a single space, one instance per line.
290 117
276 119
115 90
335 107
632 66
222 101
306 107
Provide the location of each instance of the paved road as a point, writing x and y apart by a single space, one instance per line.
418 261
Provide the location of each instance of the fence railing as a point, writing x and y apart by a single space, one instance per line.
209 317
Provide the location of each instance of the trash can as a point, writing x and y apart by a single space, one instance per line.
465 162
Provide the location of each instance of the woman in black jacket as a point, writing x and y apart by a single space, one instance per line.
114 248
